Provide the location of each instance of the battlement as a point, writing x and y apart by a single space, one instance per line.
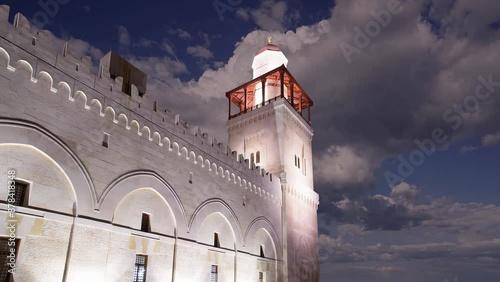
35 57
115 66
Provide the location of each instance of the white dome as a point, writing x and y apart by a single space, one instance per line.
268 58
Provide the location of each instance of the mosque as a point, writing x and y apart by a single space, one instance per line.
99 183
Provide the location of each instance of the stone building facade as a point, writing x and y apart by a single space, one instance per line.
110 187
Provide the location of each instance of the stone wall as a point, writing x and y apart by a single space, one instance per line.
86 199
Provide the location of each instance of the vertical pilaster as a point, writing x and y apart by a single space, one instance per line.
246 93
263 81
229 111
282 83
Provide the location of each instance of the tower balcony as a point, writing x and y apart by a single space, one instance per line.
275 84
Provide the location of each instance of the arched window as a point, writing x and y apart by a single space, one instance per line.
145 223
216 240
257 157
252 159
20 194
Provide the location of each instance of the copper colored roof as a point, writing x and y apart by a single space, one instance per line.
270 47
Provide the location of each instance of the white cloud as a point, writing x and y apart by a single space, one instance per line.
491 139
205 38
466 149
271 15
168 47
199 51
181 33
351 230
405 192
160 67
459 239
143 42
341 165
243 14
80 49
83 48
123 36
218 64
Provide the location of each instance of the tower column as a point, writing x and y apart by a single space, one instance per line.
245 99
229 112
263 91
282 83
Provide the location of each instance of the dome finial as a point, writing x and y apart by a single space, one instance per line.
269 39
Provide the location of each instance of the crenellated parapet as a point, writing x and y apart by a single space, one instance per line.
307 196
37 58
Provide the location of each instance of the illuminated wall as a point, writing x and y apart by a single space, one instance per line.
286 137
87 196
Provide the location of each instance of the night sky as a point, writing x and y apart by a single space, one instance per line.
406 114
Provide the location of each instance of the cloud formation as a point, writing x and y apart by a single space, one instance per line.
491 139
180 33
271 15
123 36
379 212
199 51
457 240
341 165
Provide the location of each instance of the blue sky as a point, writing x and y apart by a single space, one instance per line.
155 20
373 100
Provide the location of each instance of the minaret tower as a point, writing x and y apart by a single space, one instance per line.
270 124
